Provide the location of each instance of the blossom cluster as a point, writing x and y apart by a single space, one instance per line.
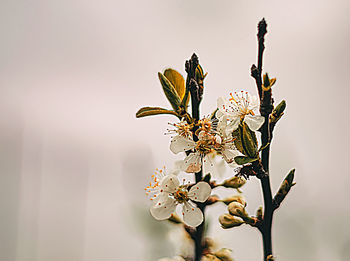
201 141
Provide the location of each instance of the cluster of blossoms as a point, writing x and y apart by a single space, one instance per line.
214 135
201 141
225 138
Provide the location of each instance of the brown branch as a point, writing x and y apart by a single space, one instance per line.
266 107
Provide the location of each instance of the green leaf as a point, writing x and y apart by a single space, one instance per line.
241 160
238 140
245 140
149 111
170 92
250 142
176 80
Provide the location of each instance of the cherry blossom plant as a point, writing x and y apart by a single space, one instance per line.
227 136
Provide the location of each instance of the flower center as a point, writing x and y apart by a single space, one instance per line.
182 128
181 195
241 102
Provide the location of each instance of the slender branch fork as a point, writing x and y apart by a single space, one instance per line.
266 107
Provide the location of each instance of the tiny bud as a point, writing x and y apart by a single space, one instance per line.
237 209
210 257
212 199
228 221
224 254
259 213
266 80
268 83
236 198
209 243
278 112
270 258
285 187
234 182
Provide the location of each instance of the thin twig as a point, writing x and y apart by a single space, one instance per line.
193 88
266 107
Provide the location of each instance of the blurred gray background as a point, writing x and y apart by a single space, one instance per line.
74 159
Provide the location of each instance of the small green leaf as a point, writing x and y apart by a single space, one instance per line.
250 142
238 140
176 80
170 92
149 111
241 160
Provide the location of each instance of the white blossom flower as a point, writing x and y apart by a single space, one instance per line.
210 140
239 107
168 193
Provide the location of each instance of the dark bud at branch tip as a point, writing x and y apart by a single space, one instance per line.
262 28
254 71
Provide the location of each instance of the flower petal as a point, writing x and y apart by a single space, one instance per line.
192 163
181 144
170 183
229 155
163 210
192 215
221 103
234 124
254 122
200 192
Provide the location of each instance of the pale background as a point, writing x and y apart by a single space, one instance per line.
74 159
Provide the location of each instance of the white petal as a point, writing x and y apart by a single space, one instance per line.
170 183
162 211
254 122
234 124
181 144
221 103
254 102
192 163
192 215
208 163
229 155
219 114
200 192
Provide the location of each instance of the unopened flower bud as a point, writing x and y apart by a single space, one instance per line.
210 257
235 182
228 221
259 213
236 198
268 82
278 112
224 254
237 209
